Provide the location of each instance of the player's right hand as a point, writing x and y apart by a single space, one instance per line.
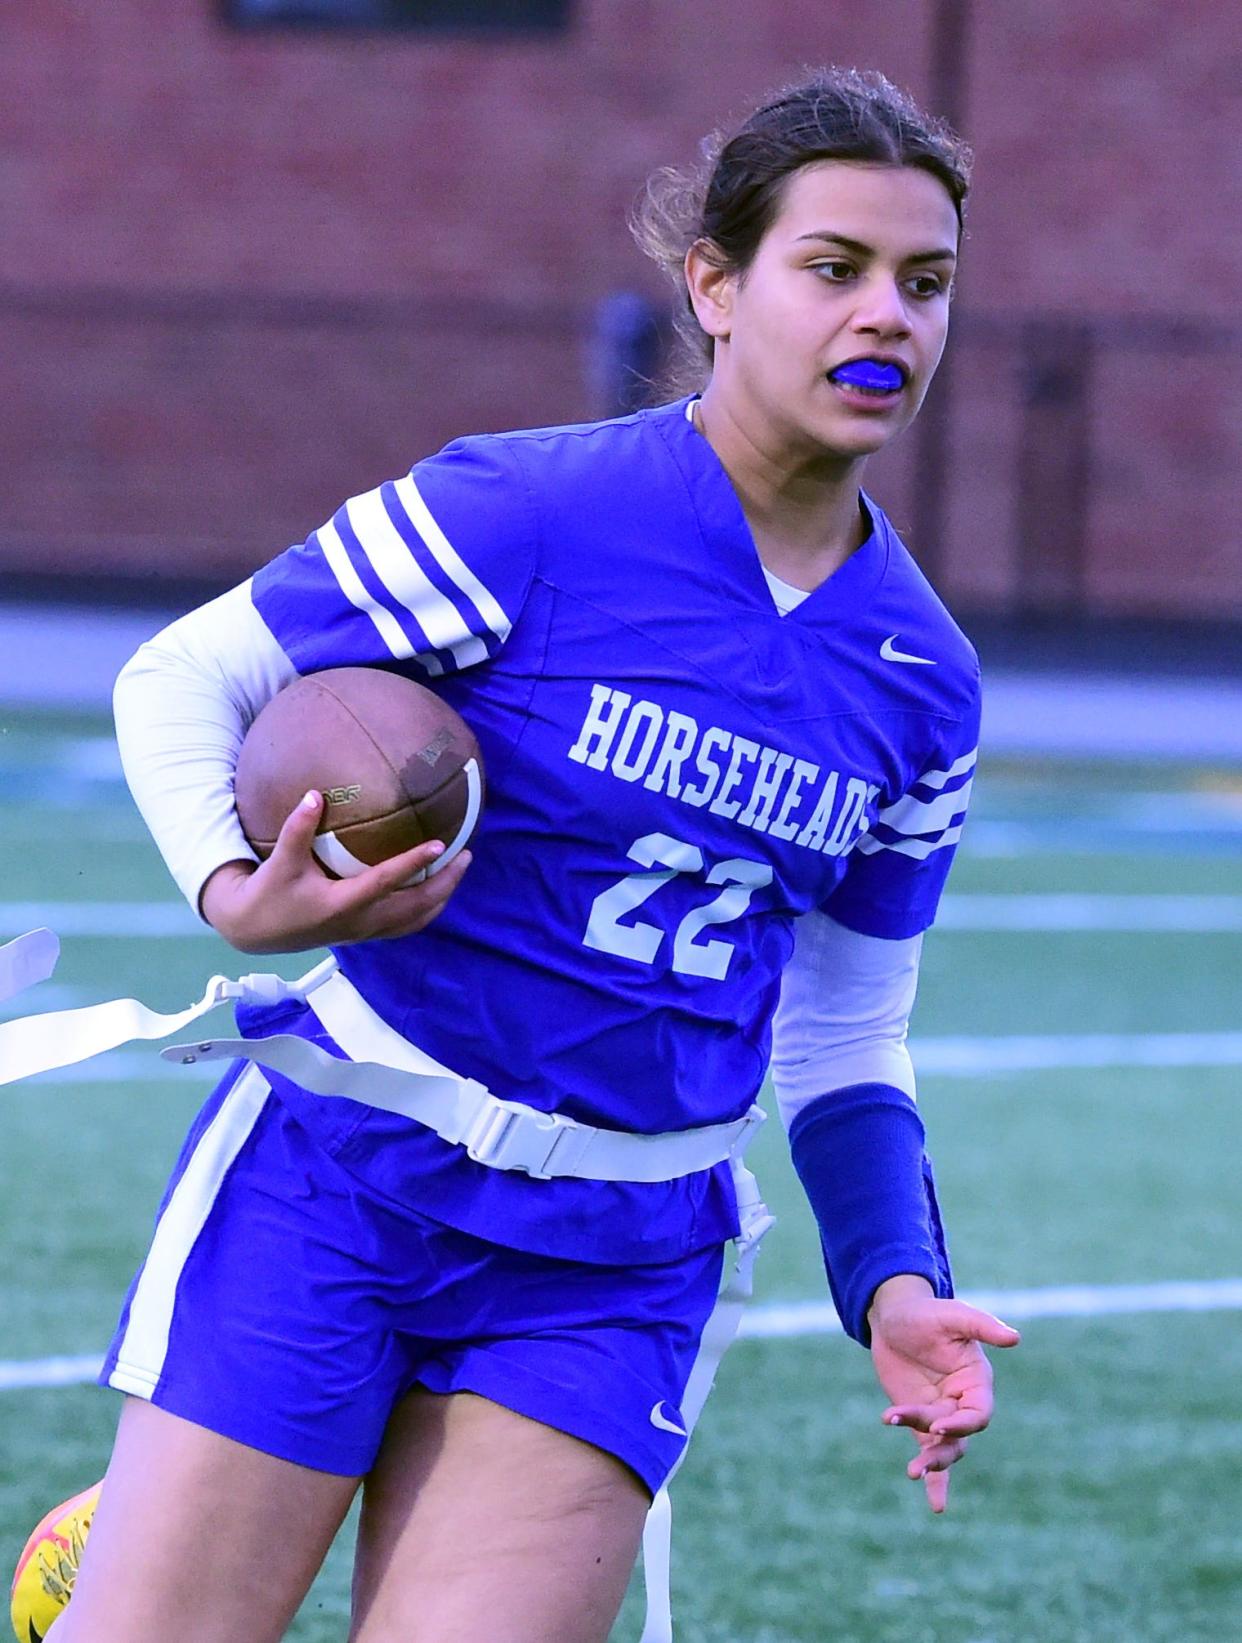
288 904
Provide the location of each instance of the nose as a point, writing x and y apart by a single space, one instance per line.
881 308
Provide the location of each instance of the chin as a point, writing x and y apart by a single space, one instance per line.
850 436
852 443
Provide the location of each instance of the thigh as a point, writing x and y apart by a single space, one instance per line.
199 1538
481 1526
265 1310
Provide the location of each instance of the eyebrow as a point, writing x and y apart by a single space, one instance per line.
944 254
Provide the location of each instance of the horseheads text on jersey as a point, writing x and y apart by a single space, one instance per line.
757 786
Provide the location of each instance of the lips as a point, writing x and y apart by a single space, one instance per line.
876 376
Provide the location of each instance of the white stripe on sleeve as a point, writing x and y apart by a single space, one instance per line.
938 778
447 557
386 624
403 576
917 849
843 1014
911 815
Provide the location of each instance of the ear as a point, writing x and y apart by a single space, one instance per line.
711 290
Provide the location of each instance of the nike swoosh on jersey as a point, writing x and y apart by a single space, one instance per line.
890 653
660 1419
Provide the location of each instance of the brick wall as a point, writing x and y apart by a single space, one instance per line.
1108 196
245 274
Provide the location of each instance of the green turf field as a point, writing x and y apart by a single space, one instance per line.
1102 1506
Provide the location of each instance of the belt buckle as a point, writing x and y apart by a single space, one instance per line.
509 1136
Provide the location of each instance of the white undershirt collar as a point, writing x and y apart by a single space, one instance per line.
784 594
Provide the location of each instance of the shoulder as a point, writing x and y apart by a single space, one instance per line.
532 502
569 451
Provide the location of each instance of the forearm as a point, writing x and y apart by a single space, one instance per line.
218 897
845 1085
183 705
859 1153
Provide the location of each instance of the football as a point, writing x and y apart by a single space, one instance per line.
395 764
48 1566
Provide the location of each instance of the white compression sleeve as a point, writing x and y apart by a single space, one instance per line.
843 1014
183 704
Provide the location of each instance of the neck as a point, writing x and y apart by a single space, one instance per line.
802 506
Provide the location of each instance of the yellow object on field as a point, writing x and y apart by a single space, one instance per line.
48 1566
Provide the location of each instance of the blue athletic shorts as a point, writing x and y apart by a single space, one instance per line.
287 1306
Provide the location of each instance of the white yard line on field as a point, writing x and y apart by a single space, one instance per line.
957 1057
795 1319
51 996
133 1067
102 918
970 1057
980 1058
159 919
1090 912
21 1375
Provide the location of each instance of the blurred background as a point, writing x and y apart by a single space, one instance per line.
257 256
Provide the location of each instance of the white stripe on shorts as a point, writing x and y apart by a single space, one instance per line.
140 1362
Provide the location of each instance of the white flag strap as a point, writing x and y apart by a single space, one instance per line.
379 1068
61 1038
442 1102
508 1135
718 1335
27 960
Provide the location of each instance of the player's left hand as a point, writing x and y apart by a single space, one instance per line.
929 1359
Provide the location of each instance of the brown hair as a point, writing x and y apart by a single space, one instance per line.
732 199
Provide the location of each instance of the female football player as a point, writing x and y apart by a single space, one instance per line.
729 732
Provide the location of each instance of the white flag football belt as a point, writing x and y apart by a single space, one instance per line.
384 1070
395 1075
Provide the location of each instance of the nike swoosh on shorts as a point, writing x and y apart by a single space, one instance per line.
661 1420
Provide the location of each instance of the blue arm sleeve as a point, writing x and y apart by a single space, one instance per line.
860 1156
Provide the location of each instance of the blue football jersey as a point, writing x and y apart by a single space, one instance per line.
675 773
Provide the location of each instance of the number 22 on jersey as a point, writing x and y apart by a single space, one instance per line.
641 941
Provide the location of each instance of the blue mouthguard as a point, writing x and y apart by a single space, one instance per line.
869 373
